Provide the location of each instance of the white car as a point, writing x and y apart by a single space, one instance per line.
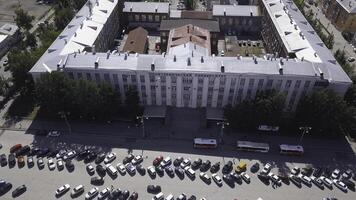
90 169
165 162
51 164
92 193
170 197
151 170
60 164
130 168
121 168
351 59
69 155
305 179
326 181
63 189
217 179
335 174
111 170
340 185
158 196
53 134
104 193
267 168
137 160
295 170
77 190
245 176
189 171
205 177
275 178
110 157
185 163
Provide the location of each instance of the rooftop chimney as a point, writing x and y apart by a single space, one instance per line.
156 9
59 65
96 64
280 69
131 8
93 49
224 12
281 61
188 62
75 34
174 58
164 54
125 57
222 67
108 54
152 66
202 59
321 73
81 25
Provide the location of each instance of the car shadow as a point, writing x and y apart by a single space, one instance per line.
181 177
192 178
113 177
264 180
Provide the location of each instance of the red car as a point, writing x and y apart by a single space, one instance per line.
157 160
15 148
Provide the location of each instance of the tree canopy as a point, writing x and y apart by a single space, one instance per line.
23 19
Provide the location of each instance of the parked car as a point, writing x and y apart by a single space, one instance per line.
158 196
326 181
217 179
340 185
166 162
60 164
124 194
19 190
205 177
70 155
90 169
159 170
169 197
215 168
100 169
21 161
154 189
12 160
92 193
16 147
151 171
267 168
179 171
97 180
305 179
69 165
227 167
128 159
22 151
189 171
40 163
295 179
5 188
228 179
182 197
275 178
192 197
51 165
133 196
77 191
169 170
110 157
349 184
335 174
178 161
317 172
140 169
104 193
236 177
241 167
317 181
130 168
245 177
137 160
255 167
62 190
30 162
100 158
121 168
295 171
196 164
205 166
157 160
111 170
3 160
81 155
90 157
185 162
347 174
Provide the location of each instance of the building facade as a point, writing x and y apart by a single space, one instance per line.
341 13
9 35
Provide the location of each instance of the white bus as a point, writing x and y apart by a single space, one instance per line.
205 143
291 149
252 146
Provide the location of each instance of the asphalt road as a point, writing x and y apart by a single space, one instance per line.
42 184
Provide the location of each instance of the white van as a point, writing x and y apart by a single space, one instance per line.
159 196
112 170
170 197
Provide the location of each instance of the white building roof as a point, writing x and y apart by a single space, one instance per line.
235 10
146 7
348 5
188 49
3 37
8 29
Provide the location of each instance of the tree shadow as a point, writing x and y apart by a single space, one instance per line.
22 106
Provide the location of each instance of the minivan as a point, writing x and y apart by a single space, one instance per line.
159 196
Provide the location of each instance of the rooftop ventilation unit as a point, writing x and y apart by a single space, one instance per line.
222 67
153 66
96 64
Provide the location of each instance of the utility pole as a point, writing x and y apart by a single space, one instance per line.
304 130
222 124
142 121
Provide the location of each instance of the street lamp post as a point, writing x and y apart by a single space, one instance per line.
304 130
142 121
222 124
63 115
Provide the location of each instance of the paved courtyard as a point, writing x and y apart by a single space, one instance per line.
42 184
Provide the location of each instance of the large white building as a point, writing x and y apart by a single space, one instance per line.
187 76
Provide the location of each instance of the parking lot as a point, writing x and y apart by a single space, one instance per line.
42 184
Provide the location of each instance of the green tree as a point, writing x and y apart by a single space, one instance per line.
132 103
324 111
31 40
4 86
23 19
109 101
62 17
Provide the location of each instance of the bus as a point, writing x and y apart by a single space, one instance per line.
291 149
205 143
252 146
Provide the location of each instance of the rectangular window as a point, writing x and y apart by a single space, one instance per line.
79 75
133 78
174 79
260 83
124 78
297 84
150 18
307 83
200 80
251 82
269 83
142 78
143 87
97 77
288 83
144 17
163 78
200 89
242 82
157 18
107 78
70 74
153 87
88 76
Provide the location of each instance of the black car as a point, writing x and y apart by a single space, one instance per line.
169 171
11 159
140 169
349 184
124 195
100 158
205 166
22 151
90 157
317 172
128 159
97 180
255 167
228 179
179 171
155 189
159 170
215 168
193 197
115 194
236 177
100 169
18 191
5 188
134 196
196 164
33 151
42 152
81 155
3 160
227 167
69 165
178 161
52 153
